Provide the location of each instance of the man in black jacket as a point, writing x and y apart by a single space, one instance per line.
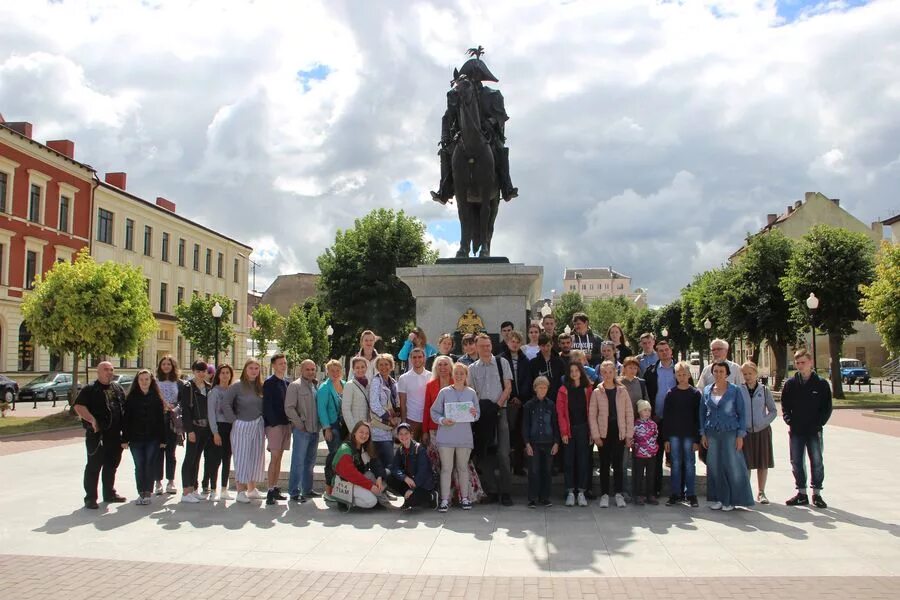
547 364
806 407
521 393
586 340
101 408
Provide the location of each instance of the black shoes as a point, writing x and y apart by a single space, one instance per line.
532 504
91 504
279 495
693 501
115 499
437 198
506 500
590 495
312 494
298 498
270 497
673 500
546 503
819 502
800 500
491 499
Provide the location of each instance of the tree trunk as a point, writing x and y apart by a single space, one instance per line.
73 392
779 349
754 353
835 344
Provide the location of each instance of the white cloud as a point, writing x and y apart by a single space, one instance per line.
648 135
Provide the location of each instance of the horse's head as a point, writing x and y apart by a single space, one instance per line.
465 87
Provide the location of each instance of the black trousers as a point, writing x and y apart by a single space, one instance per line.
539 472
216 456
167 455
190 469
419 497
643 475
611 454
104 453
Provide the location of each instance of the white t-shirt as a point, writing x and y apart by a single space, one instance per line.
531 351
413 385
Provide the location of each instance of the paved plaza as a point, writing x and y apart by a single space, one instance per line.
851 549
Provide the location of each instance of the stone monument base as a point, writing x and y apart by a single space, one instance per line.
494 291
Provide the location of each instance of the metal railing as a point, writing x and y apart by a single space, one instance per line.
891 370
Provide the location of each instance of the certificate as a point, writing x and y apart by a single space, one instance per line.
459 411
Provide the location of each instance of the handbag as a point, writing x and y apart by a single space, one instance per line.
342 490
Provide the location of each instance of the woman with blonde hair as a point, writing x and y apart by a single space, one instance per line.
758 443
611 419
243 403
367 351
328 407
384 408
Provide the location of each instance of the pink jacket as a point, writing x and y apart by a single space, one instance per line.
598 413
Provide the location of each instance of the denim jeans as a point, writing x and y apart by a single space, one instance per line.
146 459
684 461
727 469
539 472
812 445
578 459
333 446
304 447
385 452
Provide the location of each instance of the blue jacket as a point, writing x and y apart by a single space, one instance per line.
408 346
328 403
539 422
413 463
274 390
730 414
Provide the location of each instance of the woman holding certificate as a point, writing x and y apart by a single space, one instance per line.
455 408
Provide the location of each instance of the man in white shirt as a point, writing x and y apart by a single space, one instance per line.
719 350
411 390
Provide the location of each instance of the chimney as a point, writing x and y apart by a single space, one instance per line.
771 218
878 228
22 127
166 204
837 202
790 208
116 179
798 204
64 147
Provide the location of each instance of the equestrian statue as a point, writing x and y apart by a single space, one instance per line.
474 156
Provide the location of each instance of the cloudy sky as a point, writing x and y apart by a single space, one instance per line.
649 135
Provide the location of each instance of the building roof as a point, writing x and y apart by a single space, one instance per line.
595 273
288 290
166 211
891 220
45 147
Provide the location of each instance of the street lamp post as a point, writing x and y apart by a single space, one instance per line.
217 317
707 325
812 303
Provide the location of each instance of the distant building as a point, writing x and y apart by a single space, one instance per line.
288 290
602 282
894 224
816 208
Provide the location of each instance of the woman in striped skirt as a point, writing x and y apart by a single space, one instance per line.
244 401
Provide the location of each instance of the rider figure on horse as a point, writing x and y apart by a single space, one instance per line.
493 124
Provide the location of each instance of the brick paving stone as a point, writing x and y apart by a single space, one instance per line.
856 419
39 441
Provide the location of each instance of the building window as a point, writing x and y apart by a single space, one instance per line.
208 261
31 263
571 286
194 294
165 247
621 286
26 349
34 204
139 363
235 270
181 252
104 226
64 213
129 234
56 361
220 265
179 296
163 297
4 184
148 240
196 257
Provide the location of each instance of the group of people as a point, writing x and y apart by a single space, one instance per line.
453 429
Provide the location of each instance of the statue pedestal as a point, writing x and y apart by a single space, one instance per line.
495 291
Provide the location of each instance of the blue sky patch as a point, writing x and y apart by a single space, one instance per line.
791 10
317 73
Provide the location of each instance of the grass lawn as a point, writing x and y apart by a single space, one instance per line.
10 425
868 399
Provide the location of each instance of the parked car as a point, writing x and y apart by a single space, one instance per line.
124 380
50 387
9 389
695 358
853 370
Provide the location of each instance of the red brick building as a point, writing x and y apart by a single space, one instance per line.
45 216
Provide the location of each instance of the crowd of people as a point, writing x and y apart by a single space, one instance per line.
454 429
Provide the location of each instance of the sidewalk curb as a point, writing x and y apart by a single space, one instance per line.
875 415
18 435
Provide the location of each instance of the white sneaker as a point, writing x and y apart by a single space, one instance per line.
582 499
604 501
170 488
242 498
254 494
158 488
139 501
620 501
716 506
570 499
727 508
198 496
190 498
224 495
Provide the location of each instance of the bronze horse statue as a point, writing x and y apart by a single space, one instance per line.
475 182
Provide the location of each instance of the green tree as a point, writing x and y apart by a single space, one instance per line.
603 312
881 299
636 322
669 317
832 263
358 282
320 345
296 343
268 328
758 307
707 297
563 309
88 308
197 325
